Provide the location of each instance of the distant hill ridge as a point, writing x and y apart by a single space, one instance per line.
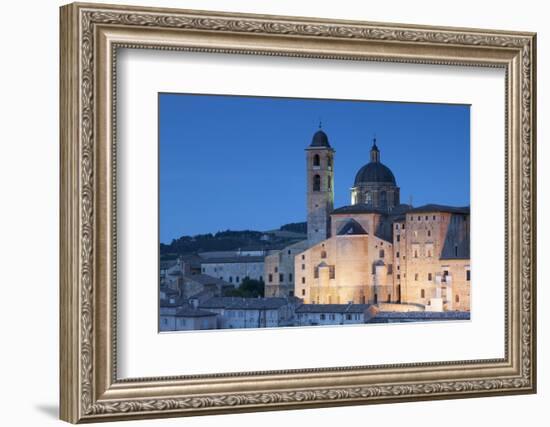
235 239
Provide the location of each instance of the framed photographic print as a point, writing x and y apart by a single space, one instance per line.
265 212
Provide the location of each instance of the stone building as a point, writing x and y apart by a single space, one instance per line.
432 257
377 250
332 314
236 312
279 270
233 269
320 187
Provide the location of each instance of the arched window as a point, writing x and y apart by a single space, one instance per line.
316 160
317 183
329 162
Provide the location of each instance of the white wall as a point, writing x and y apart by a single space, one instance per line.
29 226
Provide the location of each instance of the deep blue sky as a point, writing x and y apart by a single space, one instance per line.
229 162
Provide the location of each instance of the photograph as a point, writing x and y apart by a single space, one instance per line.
291 212
270 209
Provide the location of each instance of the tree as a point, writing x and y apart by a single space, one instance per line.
249 288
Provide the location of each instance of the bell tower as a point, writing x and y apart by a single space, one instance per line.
320 187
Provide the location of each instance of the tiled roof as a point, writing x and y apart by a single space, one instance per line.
460 315
205 279
238 303
355 209
233 259
164 265
188 311
332 308
441 208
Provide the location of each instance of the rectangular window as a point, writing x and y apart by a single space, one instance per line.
429 233
303 266
303 292
281 278
429 276
390 268
276 269
415 276
303 280
398 238
403 226
303 257
381 254
316 272
457 299
270 279
322 317
468 275
290 277
422 293
397 254
332 272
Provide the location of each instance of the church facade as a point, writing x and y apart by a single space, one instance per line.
375 250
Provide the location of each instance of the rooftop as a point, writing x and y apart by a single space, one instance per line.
358 208
164 265
320 139
233 259
238 303
205 279
332 308
441 208
187 311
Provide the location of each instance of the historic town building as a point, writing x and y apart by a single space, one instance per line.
377 250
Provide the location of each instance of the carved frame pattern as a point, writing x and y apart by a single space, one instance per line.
81 399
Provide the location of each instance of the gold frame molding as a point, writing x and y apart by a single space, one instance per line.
90 37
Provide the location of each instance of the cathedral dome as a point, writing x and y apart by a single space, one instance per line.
320 139
374 172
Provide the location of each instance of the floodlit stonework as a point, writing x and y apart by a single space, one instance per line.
377 250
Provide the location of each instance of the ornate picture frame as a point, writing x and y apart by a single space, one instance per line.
90 37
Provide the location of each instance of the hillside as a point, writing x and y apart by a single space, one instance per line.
234 239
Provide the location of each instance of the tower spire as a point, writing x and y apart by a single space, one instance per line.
374 151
